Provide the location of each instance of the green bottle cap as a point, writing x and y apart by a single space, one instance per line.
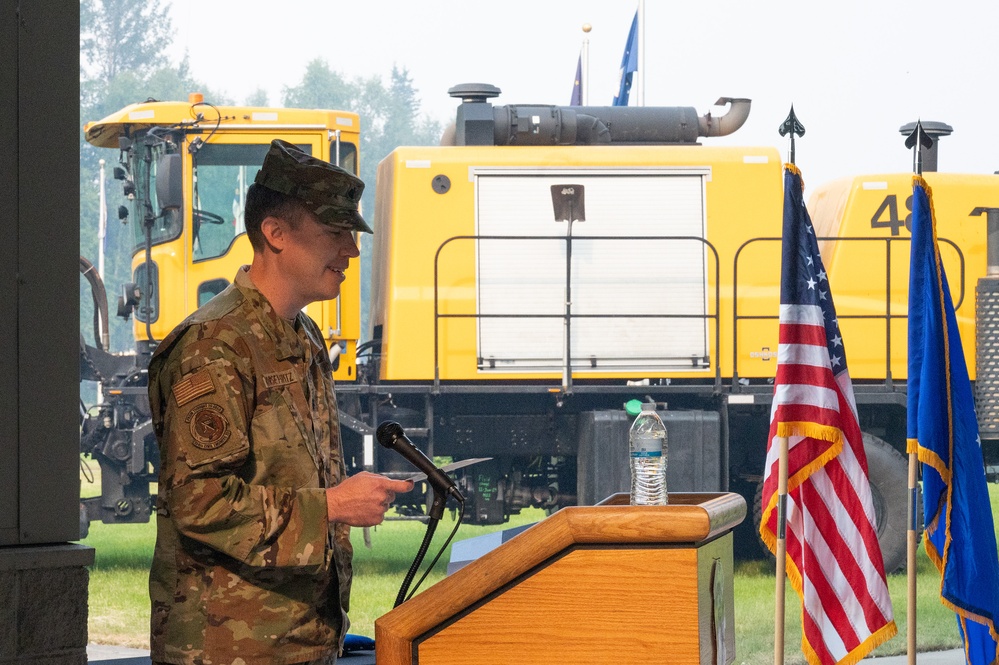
633 407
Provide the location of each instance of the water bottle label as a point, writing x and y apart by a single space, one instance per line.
647 444
646 454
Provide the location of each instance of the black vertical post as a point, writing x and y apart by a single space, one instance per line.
43 576
567 369
569 205
8 276
39 278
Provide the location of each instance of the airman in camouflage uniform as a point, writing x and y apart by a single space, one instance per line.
253 555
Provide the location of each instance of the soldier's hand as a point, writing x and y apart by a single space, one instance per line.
362 499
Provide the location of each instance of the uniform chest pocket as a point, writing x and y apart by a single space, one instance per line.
282 445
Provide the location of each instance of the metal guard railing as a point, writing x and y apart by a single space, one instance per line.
567 368
887 317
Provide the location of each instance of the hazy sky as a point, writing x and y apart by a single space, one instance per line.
854 70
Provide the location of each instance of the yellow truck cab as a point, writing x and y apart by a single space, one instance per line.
185 168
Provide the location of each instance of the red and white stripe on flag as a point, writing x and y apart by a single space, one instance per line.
834 561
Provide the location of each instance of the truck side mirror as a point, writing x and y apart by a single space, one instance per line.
129 299
169 184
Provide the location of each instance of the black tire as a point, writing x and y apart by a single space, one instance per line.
84 522
888 474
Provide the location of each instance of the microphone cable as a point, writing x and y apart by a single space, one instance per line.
447 542
403 596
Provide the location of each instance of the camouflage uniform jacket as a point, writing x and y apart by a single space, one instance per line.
246 569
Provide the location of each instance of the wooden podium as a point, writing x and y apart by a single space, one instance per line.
610 583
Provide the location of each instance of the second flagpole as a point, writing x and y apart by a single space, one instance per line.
791 127
917 141
781 573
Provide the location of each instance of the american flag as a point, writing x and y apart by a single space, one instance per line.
834 561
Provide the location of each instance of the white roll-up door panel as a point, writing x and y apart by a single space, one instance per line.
610 277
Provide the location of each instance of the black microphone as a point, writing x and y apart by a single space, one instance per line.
390 435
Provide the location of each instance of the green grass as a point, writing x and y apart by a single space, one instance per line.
119 606
755 586
754 614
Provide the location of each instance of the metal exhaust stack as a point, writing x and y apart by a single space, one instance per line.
480 123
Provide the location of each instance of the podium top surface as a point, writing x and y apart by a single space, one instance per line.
689 518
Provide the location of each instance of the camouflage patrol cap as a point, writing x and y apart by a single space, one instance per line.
329 191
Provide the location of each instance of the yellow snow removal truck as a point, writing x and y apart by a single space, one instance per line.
545 265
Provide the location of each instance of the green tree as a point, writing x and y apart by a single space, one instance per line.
258 98
321 88
118 36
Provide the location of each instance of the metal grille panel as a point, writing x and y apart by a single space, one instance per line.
987 356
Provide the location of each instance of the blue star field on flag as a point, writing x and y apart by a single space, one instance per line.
804 280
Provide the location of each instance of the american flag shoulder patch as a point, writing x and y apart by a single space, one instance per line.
193 386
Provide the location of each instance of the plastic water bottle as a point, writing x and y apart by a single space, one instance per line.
648 444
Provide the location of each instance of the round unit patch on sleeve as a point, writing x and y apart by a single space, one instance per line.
209 426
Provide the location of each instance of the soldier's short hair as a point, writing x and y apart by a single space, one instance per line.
262 203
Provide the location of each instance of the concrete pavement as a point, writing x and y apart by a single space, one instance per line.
111 655
948 657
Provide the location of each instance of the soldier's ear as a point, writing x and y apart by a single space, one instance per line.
273 229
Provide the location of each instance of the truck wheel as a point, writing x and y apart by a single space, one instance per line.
888 474
84 522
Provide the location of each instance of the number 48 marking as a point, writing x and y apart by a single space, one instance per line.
889 208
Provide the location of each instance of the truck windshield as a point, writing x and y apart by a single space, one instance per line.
222 172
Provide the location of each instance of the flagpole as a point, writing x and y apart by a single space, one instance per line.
585 79
781 550
912 536
791 126
641 52
916 141
912 539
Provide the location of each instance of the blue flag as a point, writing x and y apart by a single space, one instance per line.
943 431
577 86
629 64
